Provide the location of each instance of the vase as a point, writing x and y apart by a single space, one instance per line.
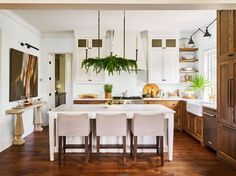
108 95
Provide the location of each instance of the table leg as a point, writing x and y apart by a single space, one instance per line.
51 137
19 130
38 119
170 135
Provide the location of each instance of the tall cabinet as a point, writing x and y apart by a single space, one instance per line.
226 88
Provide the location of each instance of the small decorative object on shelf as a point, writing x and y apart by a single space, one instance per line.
108 90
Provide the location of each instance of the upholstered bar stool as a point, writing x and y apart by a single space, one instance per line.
111 125
147 125
69 125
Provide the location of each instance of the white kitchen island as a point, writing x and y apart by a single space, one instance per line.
129 109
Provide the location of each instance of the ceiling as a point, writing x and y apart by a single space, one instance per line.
68 20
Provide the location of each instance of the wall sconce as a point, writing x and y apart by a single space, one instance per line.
206 33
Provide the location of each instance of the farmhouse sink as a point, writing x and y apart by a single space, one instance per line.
195 107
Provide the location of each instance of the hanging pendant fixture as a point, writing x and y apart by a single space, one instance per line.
111 63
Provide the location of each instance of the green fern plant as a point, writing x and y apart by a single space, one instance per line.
199 82
110 64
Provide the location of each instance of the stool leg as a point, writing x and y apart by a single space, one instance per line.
98 146
59 149
64 144
158 144
161 151
135 147
131 143
86 149
124 148
90 142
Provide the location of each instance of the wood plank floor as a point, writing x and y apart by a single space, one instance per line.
33 159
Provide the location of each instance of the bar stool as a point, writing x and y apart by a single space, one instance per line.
147 125
111 125
73 125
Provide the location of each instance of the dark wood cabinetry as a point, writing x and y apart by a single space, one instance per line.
226 34
226 86
60 98
227 147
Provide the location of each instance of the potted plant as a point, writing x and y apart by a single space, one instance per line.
110 64
199 83
108 90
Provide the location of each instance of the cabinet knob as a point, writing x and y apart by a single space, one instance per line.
230 55
163 79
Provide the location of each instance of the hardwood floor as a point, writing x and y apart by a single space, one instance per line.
33 159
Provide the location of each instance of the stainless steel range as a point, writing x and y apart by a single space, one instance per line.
128 100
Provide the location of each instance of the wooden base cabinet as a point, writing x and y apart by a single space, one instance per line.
194 126
172 104
227 143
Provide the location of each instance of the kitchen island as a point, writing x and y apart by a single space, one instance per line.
129 109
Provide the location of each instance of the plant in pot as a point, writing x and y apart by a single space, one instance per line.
198 84
110 64
108 90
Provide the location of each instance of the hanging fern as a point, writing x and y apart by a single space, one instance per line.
110 64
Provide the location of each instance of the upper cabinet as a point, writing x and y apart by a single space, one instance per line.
226 34
164 59
88 47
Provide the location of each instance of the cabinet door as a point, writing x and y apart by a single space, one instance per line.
191 122
92 75
233 94
227 143
184 116
198 127
226 34
155 66
81 74
223 85
171 66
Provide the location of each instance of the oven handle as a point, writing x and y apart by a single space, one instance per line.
208 114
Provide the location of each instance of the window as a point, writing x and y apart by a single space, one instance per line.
210 68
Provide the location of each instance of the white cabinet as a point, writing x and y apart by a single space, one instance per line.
81 76
164 60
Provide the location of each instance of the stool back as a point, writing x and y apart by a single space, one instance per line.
148 124
73 124
111 124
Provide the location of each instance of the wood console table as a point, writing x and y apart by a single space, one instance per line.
19 127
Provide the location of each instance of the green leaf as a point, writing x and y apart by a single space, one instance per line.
110 64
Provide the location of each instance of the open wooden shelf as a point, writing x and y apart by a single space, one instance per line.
189 60
188 49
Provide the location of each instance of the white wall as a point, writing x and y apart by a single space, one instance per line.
51 44
13 31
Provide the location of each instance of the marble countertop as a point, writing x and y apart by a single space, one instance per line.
127 108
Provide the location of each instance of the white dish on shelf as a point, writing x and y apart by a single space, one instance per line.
187 68
188 57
